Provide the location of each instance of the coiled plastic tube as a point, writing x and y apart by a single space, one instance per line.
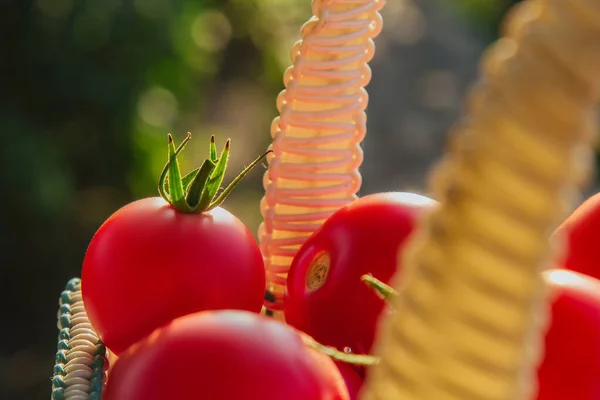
472 305
313 169
80 369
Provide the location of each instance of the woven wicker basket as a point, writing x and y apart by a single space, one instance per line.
472 304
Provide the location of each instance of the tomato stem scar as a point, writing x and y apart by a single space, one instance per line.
317 271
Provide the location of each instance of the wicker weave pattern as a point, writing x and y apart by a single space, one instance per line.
80 369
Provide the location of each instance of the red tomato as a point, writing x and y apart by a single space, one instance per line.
581 231
351 377
149 264
325 296
571 364
224 355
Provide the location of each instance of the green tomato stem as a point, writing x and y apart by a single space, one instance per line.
356 359
384 291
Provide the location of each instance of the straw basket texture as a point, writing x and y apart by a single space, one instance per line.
471 307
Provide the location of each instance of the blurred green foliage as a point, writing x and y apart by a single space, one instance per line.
89 89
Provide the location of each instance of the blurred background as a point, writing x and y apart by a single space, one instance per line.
90 88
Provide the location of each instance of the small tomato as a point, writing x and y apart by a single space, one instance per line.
325 296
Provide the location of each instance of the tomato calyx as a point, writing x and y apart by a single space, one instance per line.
197 191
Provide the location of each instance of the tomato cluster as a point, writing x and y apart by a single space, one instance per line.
174 286
324 296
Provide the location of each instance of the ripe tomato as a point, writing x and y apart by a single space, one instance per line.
325 296
149 263
224 355
160 258
351 377
581 231
571 364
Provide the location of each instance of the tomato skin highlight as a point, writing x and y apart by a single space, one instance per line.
224 355
360 238
571 364
149 263
581 231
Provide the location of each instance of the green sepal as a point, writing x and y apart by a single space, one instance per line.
185 181
197 187
196 191
189 178
213 150
386 292
350 358
213 184
176 192
219 200
163 181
